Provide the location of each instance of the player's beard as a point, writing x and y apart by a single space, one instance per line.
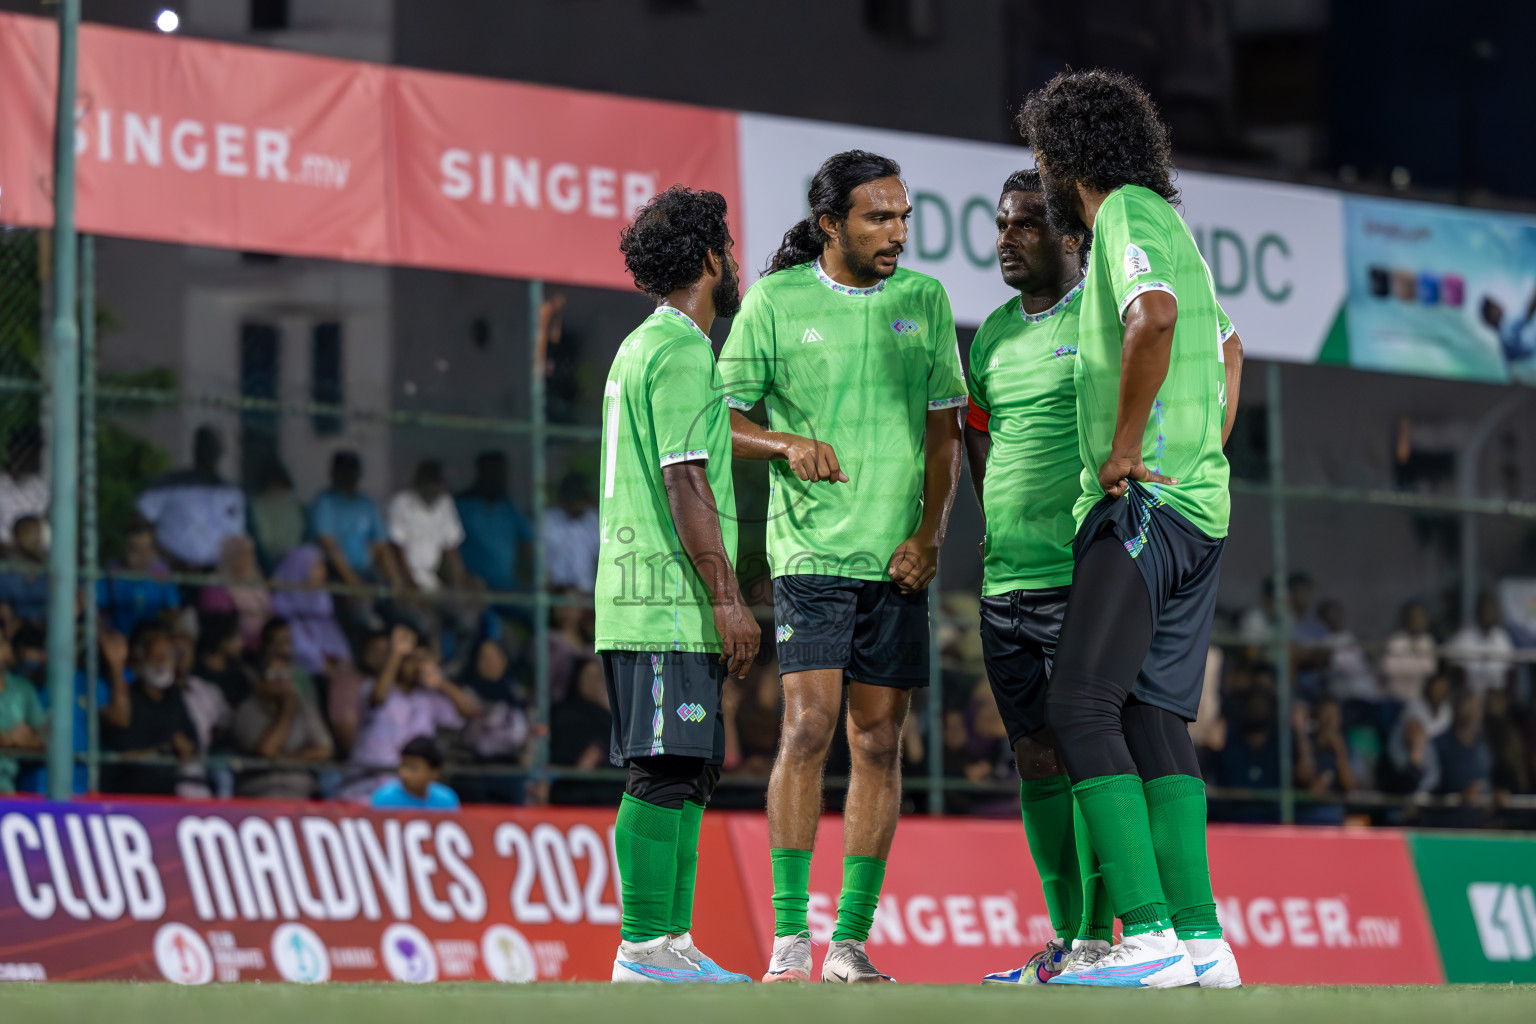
864 268
727 294
1061 206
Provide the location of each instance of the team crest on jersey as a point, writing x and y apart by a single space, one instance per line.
811 334
1136 262
905 327
784 632
1063 351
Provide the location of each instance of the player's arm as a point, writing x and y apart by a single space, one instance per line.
811 460
1232 363
1144 357
978 441
697 521
916 561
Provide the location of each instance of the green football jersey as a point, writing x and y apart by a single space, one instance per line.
663 403
1021 376
1141 244
858 368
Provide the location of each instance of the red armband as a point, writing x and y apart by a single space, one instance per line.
976 418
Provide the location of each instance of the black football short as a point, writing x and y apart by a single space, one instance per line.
1018 644
871 630
665 703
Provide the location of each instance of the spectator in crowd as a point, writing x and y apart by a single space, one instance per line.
346 524
241 590
344 696
24 592
580 734
1409 659
112 654
1511 760
209 713
302 601
411 697
23 488
128 602
147 716
571 536
1483 648
279 723
1310 653
1323 763
1466 765
1433 708
425 525
219 649
571 636
193 510
1258 624
29 649
23 725
276 515
1410 765
499 735
498 539
1250 758
416 784
277 642
1350 677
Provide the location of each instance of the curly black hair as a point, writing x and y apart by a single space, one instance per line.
1100 129
831 192
664 246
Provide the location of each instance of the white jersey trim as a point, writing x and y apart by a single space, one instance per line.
697 455
1150 286
948 403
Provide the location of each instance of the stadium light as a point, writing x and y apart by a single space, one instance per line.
167 21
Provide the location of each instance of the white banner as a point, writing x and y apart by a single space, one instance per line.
1276 252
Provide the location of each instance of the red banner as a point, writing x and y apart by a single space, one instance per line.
182 140
194 893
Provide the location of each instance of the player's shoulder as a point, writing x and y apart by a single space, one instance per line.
661 334
1137 202
1001 321
910 281
782 282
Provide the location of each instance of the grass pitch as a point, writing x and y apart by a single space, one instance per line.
105 1003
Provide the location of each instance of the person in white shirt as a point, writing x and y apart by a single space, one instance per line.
1350 676
1409 659
23 489
1483 649
571 537
194 510
424 524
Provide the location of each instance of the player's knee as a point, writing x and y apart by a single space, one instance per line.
807 734
1075 711
1036 756
879 744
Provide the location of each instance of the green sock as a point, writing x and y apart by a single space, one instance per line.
687 867
1176 811
1115 811
1046 805
645 843
791 890
1098 913
862 878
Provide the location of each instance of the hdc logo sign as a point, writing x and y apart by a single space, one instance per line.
1506 919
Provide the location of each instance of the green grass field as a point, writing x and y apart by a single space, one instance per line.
634 1004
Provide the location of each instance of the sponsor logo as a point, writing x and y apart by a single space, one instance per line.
182 955
905 327
692 712
408 954
23 972
1304 923
299 955
508 957
784 632
811 334
1506 919
1136 262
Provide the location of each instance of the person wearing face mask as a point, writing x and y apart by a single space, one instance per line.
147 717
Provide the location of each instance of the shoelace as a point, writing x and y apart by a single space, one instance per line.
860 960
781 956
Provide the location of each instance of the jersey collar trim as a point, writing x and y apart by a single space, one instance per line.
1063 303
843 289
686 319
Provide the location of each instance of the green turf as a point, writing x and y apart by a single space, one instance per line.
637 1004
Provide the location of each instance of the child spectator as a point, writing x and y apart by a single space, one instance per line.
242 590
415 785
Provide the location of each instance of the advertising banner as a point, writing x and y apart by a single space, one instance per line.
1441 291
194 893
181 140
961 898
1481 892
1275 251
532 181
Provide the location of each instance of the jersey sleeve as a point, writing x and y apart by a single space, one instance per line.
747 358
680 385
1224 324
946 380
1133 235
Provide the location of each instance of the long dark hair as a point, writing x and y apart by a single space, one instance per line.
831 192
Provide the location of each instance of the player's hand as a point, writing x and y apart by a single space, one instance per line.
1119 469
913 565
812 460
740 636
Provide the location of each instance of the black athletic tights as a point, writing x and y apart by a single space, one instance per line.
1100 728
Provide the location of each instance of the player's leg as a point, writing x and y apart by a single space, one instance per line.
1104 640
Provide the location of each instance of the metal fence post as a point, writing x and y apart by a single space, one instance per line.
64 432
89 541
540 468
1276 424
935 703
